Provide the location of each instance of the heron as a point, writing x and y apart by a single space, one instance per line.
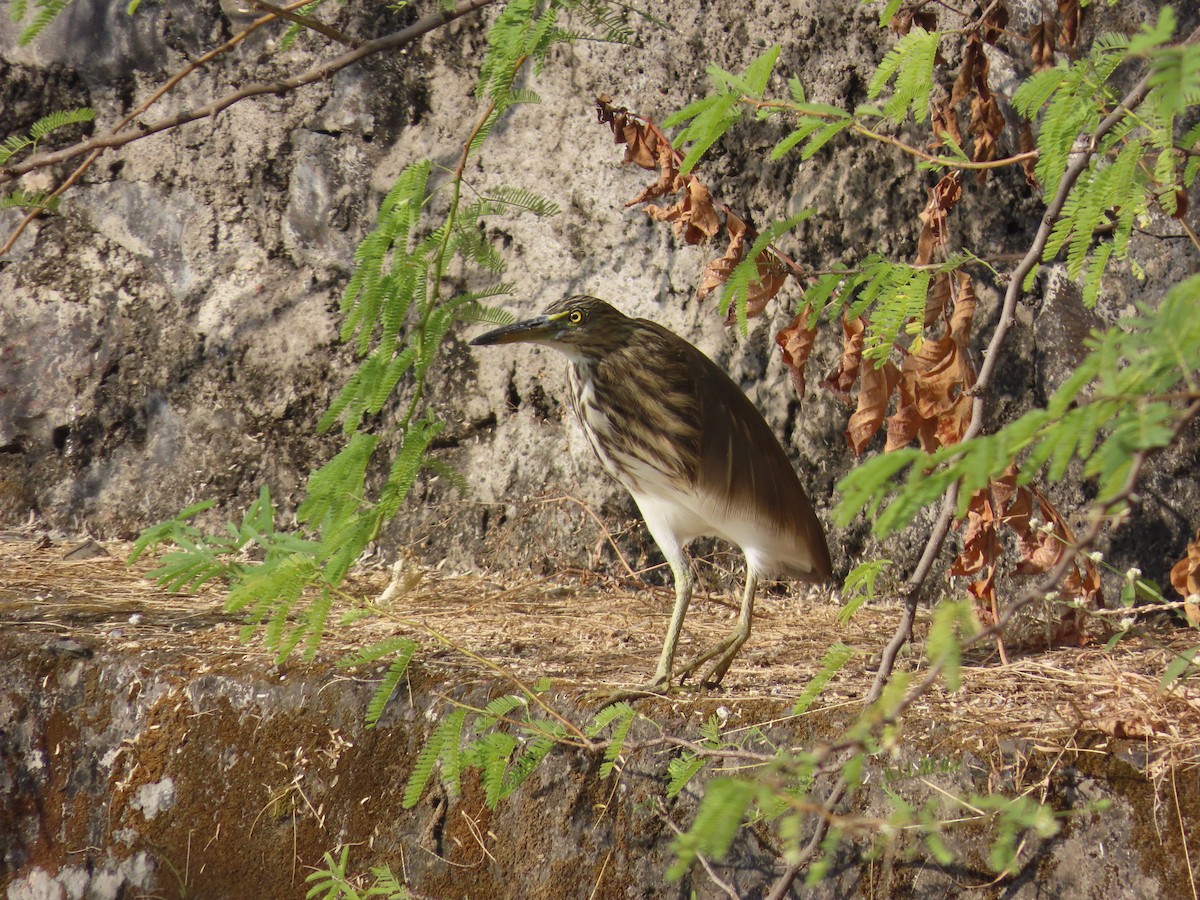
693 451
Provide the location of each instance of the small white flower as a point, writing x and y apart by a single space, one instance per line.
1096 556
1051 596
1192 598
1133 574
1035 523
1048 528
1127 622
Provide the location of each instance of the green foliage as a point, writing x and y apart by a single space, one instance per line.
1181 664
736 291
621 716
910 63
681 770
46 12
389 682
1117 403
503 743
890 294
722 811
40 129
397 316
834 660
1011 817
953 622
20 199
859 587
202 558
710 117
295 29
333 882
442 746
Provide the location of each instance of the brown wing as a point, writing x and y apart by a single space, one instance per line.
742 460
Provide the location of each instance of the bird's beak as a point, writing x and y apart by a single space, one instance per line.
538 329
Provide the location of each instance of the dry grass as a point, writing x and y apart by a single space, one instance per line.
590 633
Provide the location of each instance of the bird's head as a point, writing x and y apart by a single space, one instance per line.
575 325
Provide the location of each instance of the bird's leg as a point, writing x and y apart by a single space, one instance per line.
683 596
725 651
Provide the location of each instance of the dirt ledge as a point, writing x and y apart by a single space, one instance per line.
146 751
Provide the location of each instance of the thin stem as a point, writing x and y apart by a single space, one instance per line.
319 72
307 22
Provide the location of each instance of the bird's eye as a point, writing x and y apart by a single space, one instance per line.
575 316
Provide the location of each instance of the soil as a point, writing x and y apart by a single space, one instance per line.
148 750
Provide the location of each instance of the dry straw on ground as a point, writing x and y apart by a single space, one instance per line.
588 633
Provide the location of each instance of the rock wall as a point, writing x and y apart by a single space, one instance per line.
171 334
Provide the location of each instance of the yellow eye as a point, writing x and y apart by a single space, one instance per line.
575 316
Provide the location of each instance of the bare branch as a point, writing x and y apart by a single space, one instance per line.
318 72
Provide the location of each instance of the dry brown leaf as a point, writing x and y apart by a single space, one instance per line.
1025 143
641 143
907 424
904 20
945 121
987 124
772 276
1138 726
1068 17
717 272
980 552
694 217
974 61
841 379
795 344
1185 578
1041 549
1041 44
668 180
1004 503
935 405
995 20
874 388
938 298
942 198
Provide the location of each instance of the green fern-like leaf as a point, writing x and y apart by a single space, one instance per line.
736 290
377 651
447 732
944 645
620 732
493 752
681 771
522 199
12 145
60 119
388 685
911 63
332 494
1031 96
835 658
546 736
48 11
498 708
721 813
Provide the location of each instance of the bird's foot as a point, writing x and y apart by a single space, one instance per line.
660 687
721 657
